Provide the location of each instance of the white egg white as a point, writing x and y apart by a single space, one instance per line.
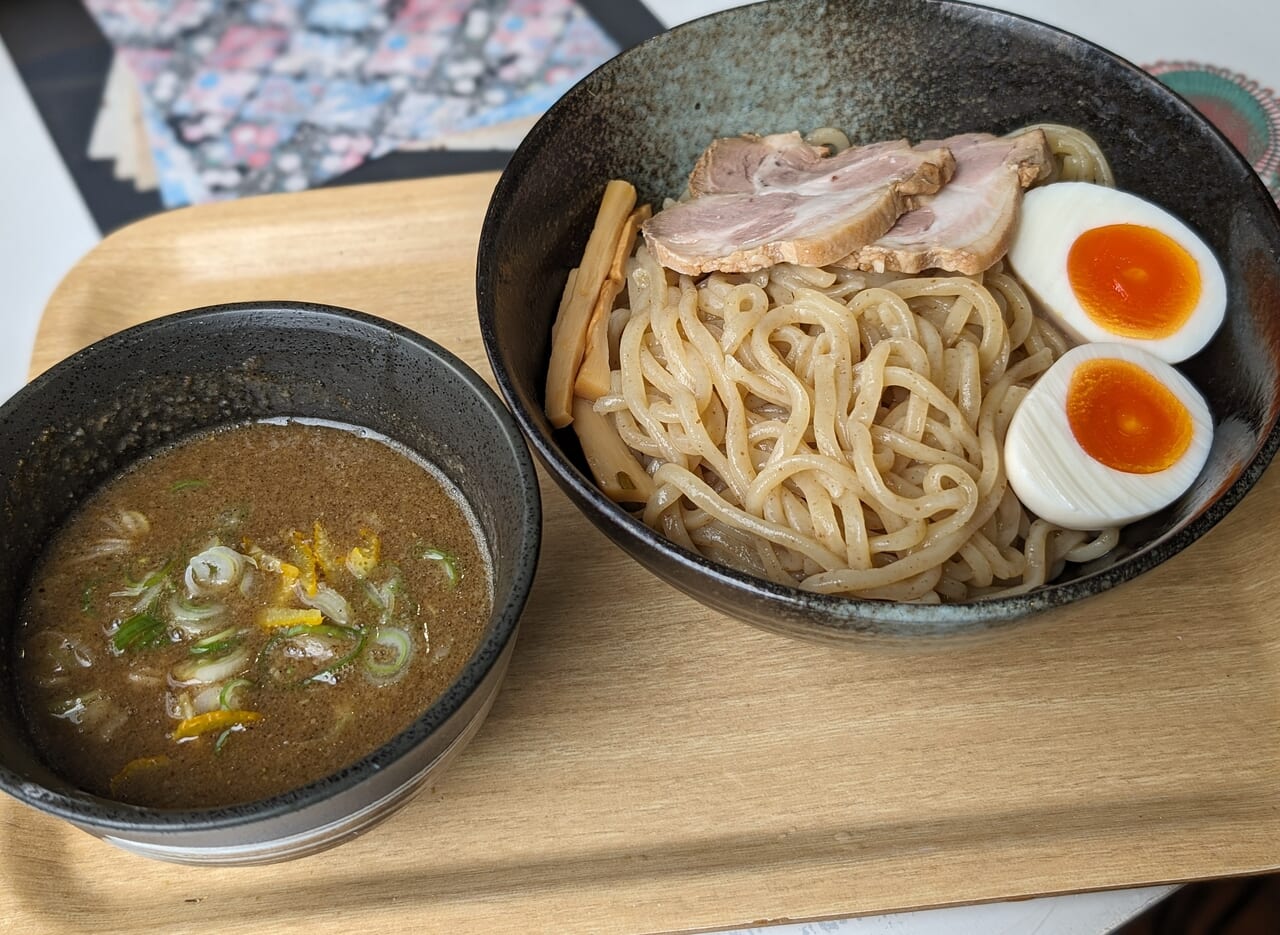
1057 480
1054 216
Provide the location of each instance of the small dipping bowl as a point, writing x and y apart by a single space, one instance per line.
106 407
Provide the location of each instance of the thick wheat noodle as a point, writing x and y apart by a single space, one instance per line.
1091 549
842 431
697 491
1079 157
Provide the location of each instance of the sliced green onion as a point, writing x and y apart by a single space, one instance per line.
195 619
213 649
147 591
383 596
186 611
328 601
388 652
328 672
262 662
150 580
206 699
142 629
148 598
217 644
86 599
228 698
335 630
202 670
223 737
447 560
216 567
189 484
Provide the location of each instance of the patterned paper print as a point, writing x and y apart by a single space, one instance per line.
1247 113
242 98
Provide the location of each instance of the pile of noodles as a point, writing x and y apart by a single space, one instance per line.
841 430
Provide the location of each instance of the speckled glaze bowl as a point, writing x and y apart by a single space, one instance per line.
89 417
881 69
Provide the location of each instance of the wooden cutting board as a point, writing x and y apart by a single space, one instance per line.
652 765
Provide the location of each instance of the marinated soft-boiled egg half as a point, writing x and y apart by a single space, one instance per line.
1107 435
1109 266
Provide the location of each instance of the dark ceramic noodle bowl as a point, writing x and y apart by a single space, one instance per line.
90 417
880 69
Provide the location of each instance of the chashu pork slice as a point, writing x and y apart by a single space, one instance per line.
967 225
776 199
750 163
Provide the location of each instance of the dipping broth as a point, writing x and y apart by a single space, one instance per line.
246 612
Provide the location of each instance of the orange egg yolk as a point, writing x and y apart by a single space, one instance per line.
1134 281
1125 418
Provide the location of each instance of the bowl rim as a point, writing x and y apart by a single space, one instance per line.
833 616
104 814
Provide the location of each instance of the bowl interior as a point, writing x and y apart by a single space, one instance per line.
880 69
93 415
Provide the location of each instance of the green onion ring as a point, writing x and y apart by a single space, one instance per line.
325 674
447 559
323 629
395 639
227 697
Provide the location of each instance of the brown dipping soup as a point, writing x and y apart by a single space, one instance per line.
246 612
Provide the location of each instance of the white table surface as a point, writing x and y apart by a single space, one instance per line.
45 228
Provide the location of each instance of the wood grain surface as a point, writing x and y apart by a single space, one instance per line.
651 765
